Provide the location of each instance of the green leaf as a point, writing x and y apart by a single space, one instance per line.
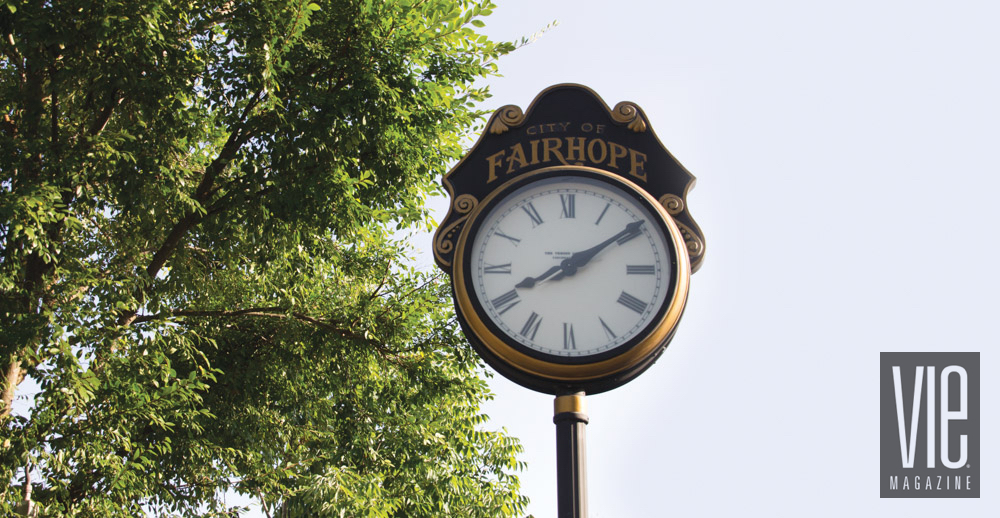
204 287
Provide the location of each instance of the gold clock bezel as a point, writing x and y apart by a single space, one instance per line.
575 372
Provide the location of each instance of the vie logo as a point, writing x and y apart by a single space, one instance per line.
929 425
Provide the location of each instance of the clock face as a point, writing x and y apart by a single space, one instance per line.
571 267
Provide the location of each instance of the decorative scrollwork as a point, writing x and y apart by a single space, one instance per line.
506 117
465 203
673 203
694 245
628 113
445 242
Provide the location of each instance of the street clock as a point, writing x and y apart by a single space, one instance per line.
569 245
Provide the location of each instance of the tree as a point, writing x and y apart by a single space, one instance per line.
196 268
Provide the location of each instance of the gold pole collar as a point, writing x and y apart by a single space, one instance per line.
571 403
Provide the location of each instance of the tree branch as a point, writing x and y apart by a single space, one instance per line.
263 504
12 378
190 220
269 312
207 313
54 107
104 117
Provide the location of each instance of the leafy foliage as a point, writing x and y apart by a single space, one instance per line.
195 268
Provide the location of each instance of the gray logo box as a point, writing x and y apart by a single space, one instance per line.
927 462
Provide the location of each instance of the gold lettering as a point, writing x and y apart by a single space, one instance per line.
594 157
495 160
516 155
617 151
578 150
638 165
575 151
551 146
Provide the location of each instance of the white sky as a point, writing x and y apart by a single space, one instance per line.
846 155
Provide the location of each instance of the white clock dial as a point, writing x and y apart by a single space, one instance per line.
571 266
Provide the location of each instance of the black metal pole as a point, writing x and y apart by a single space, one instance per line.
571 454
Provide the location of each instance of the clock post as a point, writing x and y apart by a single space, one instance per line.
570 248
571 455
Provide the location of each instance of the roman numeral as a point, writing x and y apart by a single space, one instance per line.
506 301
513 240
599 218
532 213
531 326
607 330
568 205
497 268
569 341
640 269
628 300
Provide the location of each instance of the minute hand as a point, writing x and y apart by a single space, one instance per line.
579 259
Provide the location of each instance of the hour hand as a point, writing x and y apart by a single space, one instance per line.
529 282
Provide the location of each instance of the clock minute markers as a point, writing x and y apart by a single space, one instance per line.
542 230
